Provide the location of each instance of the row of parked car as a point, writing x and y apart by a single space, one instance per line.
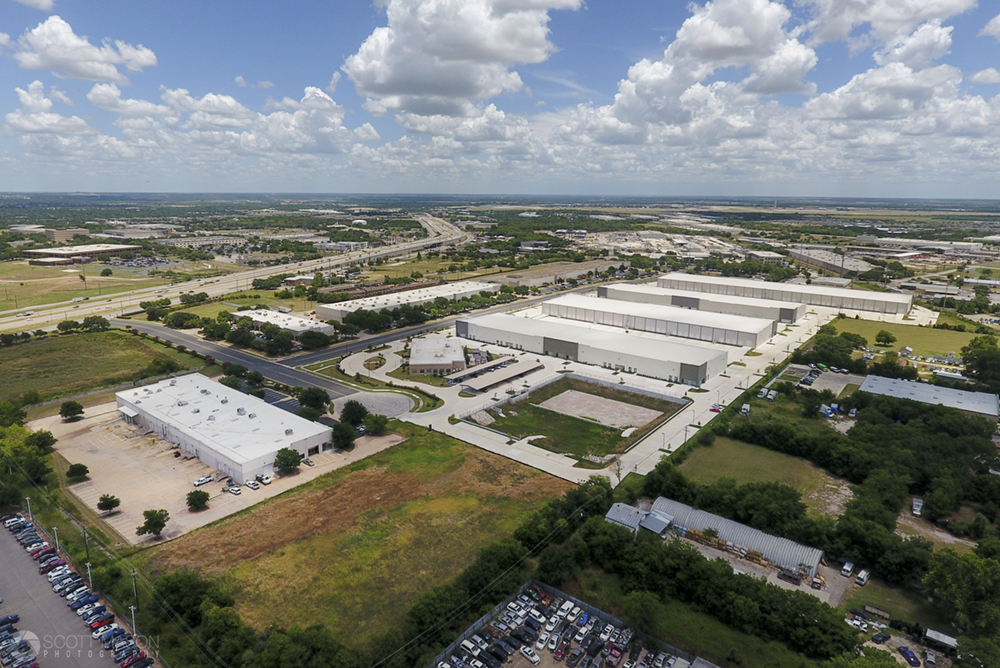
534 623
87 605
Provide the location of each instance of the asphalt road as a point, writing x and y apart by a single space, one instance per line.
62 639
273 370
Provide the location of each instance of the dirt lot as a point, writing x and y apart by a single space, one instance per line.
143 473
836 382
907 525
606 411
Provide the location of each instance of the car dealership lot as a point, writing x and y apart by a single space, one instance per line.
62 640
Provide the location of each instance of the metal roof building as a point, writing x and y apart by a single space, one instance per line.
973 403
684 323
289 323
815 295
450 291
779 551
232 432
625 515
745 306
649 354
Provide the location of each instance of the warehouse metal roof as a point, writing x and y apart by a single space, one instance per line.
493 378
791 288
982 403
626 516
667 313
652 346
652 290
780 551
238 425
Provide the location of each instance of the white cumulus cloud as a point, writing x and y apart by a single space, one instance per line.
440 57
36 116
992 29
52 45
988 76
38 4
108 96
243 83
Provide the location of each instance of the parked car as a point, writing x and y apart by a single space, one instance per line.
264 479
235 490
204 480
530 655
910 657
252 484
880 637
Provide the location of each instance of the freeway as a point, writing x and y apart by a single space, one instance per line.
439 232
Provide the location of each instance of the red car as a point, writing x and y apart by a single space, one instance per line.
42 551
561 650
102 621
48 567
133 659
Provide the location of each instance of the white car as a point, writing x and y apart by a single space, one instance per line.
553 643
530 655
542 641
104 629
574 614
235 490
264 480
87 608
252 484
204 480
551 626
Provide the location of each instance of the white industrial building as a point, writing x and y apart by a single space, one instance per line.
436 356
287 322
983 404
234 433
815 295
449 291
830 261
767 309
733 330
653 356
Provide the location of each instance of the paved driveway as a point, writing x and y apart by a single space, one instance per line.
46 621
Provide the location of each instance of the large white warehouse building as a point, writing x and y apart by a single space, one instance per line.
450 291
814 295
636 353
732 330
745 306
287 322
232 432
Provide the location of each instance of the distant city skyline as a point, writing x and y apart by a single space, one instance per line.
811 98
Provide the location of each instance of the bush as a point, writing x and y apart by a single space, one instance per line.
197 500
77 471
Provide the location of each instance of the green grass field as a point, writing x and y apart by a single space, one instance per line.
355 548
752 463
571 435
923 340
901 603
685 628
211 309
65 365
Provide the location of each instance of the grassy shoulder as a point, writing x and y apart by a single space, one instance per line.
63 365
232 302
905 604
422 401
354 549
684 627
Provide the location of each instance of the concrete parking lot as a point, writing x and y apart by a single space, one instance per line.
46 622
142 471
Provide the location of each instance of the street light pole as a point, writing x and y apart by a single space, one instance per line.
30 516
55 530
132 608
90 577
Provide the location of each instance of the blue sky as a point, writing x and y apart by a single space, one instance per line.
733 97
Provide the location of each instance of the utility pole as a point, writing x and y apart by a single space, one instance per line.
132 608
55 530
90 577
86 541
30 516
135 593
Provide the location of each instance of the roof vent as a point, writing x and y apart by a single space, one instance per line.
241 411
173 381
288 432
211 417
204 391
252 416
138 401
182 403
225 400
196 410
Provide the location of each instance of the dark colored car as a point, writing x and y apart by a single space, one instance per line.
144 663
910 657
55 563
86 600
880 637
10 619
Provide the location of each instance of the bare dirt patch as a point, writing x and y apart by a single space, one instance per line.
831 498
600 409
907 525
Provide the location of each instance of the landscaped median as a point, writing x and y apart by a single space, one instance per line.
422 401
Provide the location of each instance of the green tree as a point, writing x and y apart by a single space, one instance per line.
106 271
314 397
642 610
353 413
95 323
237 370
232 382
67 326
375 424
11 414
69 410
77 471
971 585
343 436
197 500
286 461
309 413
872 658
40 440
155 522
255 378
107 503
885 338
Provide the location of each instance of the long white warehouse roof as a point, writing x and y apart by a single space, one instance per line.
791 290
660 347
654 291
418 296
241 427
982 403
660 312
292 323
